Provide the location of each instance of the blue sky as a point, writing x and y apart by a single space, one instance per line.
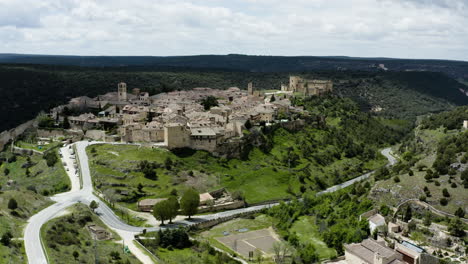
366 28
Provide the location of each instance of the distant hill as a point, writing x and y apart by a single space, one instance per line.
27 89
456 69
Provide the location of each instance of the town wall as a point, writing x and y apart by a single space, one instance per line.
96 134
8 135
176 137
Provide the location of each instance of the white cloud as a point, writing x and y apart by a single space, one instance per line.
392 28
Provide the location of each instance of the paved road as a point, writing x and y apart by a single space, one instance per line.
85 195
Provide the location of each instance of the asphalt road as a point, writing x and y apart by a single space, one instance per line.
85 195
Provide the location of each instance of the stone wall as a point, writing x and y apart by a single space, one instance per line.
210 223
8 135
99 135
220 207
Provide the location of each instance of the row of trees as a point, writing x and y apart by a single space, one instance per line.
170 208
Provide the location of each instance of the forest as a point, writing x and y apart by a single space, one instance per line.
28 89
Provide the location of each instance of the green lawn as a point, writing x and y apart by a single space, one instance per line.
66 234
35 146
308 233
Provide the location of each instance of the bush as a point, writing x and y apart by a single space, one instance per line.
396 179
422 198
12 204
453 185
410 173
443 201
445 192
51 158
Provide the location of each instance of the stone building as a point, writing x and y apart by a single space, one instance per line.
370 251
122 91
308 87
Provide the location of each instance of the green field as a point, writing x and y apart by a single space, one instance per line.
35 146
68 234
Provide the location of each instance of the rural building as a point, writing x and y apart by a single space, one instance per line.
146 205
375 221
370 251
99 232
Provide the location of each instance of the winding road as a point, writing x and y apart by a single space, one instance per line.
32 238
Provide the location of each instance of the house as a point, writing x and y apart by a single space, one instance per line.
99 232
206 199
413 254
393 228
146 205
370 251
375 221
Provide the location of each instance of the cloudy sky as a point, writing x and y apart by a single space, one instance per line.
367 28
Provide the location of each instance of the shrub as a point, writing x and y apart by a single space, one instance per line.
51 158
422 198
437 183
443 201
453 185
396 179
12 204
445 192
410 173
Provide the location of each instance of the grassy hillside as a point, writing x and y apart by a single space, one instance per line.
28 89
33 173
68 234
434 158
285 165
13 221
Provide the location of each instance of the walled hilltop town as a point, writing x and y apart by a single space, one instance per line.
181 119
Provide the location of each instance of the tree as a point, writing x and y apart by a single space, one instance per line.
445 192
12 204
6 171
115 255
443 201
190 202
140 187
455 227
209 102
150 173
51 158
76 254
66 125
460 212
93 205
248 124
174 207
6 238
408 214
162 211
272 98
168 163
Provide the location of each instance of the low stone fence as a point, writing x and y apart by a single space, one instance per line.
213 222
220 207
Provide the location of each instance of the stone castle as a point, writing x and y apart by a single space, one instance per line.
308 87
178 119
